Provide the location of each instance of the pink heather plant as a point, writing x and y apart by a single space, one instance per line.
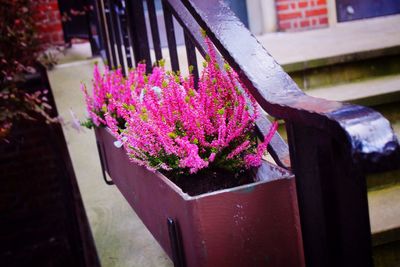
165 124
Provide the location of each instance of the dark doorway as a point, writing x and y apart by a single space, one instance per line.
348 10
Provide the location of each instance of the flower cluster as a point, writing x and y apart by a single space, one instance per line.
166 124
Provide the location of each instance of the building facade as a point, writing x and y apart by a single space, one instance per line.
295 15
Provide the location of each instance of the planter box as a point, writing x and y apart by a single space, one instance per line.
250 225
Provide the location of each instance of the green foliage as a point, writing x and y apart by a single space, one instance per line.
88 123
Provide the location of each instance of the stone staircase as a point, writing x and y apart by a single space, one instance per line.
357 62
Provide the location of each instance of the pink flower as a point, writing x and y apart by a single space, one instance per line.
239 149
212 157
252 160
165 124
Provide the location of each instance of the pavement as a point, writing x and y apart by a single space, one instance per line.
120 237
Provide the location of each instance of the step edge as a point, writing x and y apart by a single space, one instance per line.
393 92
388 229
340 58
385 236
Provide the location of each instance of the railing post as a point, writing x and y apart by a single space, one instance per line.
116 28
170 31
332 197
113 61
154 29
125 36
138 32
191 57
100 27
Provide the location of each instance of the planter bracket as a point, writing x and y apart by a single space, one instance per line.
102 160
176 243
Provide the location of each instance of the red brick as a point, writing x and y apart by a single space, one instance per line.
321 2
285 25
40 17
282 7
57 15
42 8
323 21
302 4
53 6
54 16
57 38
293 5
41 27
56 27
316 12
314 22
304 23
46 38
287 16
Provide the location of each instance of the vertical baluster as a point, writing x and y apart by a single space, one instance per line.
89 20
103 40
114 15
111 34
125 36
119 22
191 57
169 27
154 29
138 32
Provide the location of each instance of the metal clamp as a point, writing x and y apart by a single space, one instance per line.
176 243
102 164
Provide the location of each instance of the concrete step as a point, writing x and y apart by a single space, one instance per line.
350 71
339 43
371 92
384 208
392 113
384 203
339 54
383 180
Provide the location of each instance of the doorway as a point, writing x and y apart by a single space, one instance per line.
348 10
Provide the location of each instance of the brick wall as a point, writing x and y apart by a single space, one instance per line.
49 21
295 15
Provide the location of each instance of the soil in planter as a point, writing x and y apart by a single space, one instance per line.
212 180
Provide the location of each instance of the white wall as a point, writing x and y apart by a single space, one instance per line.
262 16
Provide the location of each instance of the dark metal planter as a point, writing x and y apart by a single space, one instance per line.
250 225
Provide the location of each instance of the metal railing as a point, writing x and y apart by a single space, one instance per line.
331 145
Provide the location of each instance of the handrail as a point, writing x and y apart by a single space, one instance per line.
369 134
